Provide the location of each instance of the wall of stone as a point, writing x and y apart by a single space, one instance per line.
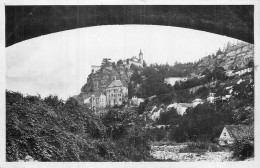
238 55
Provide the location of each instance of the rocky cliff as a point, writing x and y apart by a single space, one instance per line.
234 56
99 80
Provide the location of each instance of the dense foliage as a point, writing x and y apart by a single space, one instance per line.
52 130
243 148
206 121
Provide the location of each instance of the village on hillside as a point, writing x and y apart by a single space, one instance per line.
215 81
107 85
186 112
131 82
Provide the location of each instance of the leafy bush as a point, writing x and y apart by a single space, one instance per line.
53 130
243 148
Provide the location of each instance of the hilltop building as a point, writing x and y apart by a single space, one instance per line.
134 60
108 86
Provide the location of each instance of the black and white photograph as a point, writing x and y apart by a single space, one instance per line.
130 83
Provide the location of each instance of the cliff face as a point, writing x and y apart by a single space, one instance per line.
234 56
99 80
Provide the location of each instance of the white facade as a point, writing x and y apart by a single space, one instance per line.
211 98
243 71
225 138
180 107
116 93
136 101
197 102
102 100
155 113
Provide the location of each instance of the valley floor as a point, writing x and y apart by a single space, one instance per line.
171 153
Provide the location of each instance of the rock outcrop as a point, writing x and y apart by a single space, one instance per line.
234 56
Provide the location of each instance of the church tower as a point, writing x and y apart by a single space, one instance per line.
141 59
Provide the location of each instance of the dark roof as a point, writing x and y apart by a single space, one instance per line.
240 131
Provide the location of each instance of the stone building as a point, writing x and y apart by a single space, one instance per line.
134 60
108 86
96 100
116 93
136 101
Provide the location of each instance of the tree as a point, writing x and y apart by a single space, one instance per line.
50 130
119 62
219 52
114 65
244 92
218 73
251 64
169 117
202 93
144 64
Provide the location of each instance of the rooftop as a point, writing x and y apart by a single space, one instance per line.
116 83
240 131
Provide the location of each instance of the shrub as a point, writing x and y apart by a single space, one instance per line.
243 148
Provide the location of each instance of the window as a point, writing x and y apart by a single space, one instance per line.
225 134
119 99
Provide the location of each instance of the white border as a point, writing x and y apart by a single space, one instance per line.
256 3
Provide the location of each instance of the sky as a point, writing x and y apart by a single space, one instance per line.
59 63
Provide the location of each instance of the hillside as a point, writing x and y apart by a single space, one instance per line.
218 90
234 56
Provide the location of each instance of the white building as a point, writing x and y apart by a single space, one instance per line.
173 80
116 93
229 73
97 100
197 102
155 113
180 107
243 71
136 101
134 60
211 98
